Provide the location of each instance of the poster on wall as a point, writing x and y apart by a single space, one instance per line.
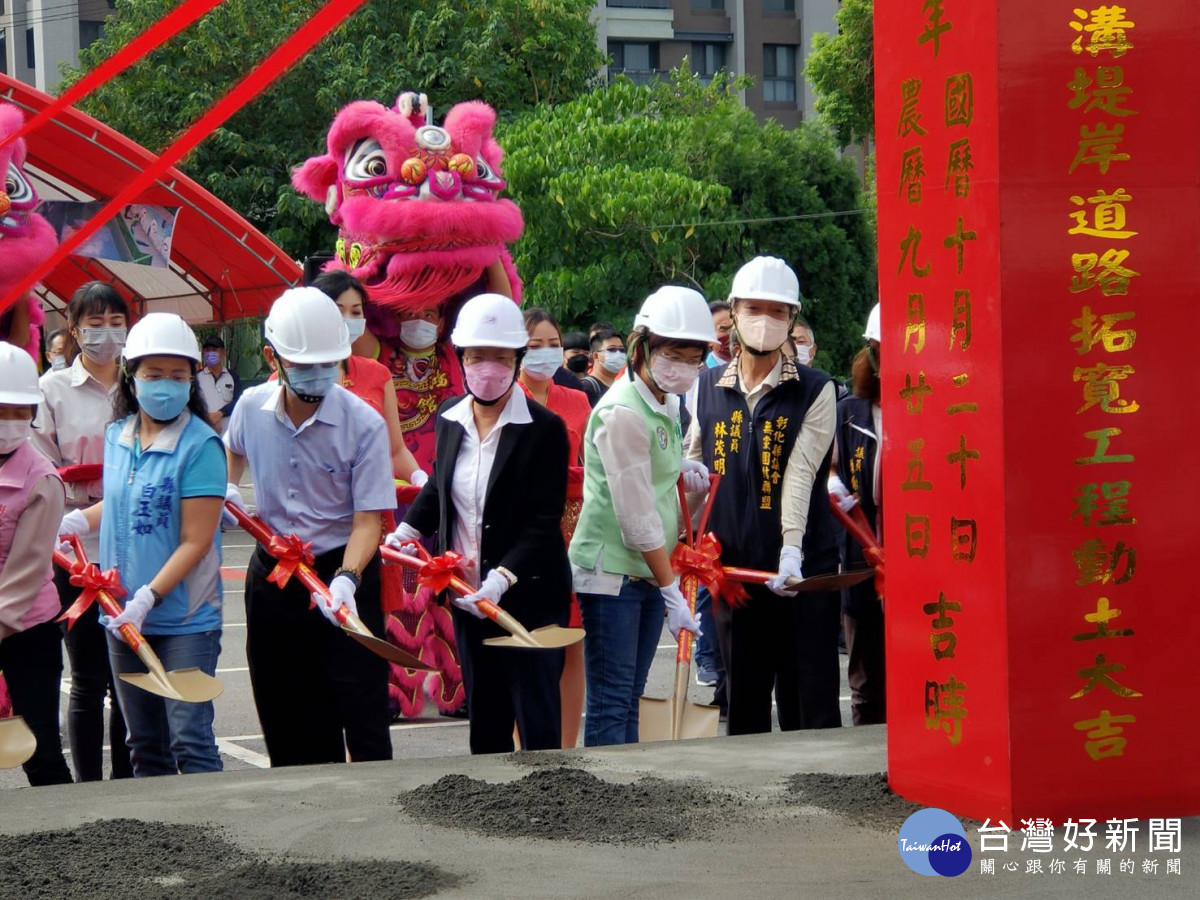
139 234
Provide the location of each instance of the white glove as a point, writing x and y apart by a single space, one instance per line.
136 609
404 539
234 496
74 522
845 500
418 478
493 589
679 617
789 567
695 476
341 593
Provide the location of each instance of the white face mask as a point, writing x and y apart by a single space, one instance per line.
762 333
13 433
803 354
356 327
541 363
57 361
418 334
673 377
613 361
102 345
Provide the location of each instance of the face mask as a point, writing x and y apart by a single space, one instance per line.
541 363
13 433
101 345
613 361
418 334
487 381
762 333
578 363
211 358
313 383
57 362
356 327
723 346
163 400
803 354
673 377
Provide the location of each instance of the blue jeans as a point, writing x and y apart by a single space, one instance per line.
621 636
708 654
167 737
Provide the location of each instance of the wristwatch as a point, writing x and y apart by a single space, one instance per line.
352 574
158 598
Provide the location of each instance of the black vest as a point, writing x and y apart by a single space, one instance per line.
752 452
857 445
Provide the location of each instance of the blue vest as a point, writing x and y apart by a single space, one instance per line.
139 529
752 452
857 445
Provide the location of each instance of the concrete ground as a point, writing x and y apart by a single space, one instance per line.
782 849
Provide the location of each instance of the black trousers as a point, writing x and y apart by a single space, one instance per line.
32 664
865 645
91 681
318 693
506 685
786 646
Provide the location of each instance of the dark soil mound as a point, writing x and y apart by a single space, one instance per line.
570 805
864 800
127 859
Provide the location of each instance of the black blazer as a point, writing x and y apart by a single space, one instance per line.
522 514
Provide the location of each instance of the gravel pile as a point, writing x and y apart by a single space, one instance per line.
864 800
128 859
568 804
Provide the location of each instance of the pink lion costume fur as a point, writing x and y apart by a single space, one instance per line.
421 223
26 239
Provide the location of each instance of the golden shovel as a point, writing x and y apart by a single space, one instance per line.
17 742
189 685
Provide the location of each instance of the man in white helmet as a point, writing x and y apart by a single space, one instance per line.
496 498
322 471
766 424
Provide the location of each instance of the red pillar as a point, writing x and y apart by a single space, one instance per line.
1038 170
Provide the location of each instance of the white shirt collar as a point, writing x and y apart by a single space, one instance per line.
668 408
515 412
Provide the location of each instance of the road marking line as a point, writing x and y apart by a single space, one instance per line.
234 669
258 760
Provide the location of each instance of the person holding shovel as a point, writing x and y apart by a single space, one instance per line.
766 425
164 482
496 499
31 506
629 524
322 472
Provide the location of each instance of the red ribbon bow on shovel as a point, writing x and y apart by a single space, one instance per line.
704 564
89 577
439 571
291 553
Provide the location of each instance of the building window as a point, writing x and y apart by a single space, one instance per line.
89 33
638 61
30 55
779 73
639 4
779 5
708 4
707 60
3 51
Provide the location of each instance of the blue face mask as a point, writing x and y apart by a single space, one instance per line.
313 383
163 400
542 362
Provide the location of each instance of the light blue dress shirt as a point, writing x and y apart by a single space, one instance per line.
310 479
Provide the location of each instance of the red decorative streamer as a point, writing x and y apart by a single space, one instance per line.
291 553
284 57
704 564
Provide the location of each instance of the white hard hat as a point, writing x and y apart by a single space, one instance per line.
766 278
304 326
161 334
872 332
490 320
18 377
679 313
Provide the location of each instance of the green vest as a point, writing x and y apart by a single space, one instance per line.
598 529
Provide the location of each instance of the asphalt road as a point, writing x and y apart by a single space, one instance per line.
239 736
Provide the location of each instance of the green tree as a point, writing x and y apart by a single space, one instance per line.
630 187
841 69
514 54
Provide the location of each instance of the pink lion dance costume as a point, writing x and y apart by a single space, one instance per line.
26 239
421 223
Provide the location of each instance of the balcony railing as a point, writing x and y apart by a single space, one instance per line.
637 76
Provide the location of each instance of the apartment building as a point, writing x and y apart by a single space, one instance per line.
768 39
38 36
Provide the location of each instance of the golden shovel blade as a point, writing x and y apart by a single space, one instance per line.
188 685
548 637
677 718
388 651
17 742
656 719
